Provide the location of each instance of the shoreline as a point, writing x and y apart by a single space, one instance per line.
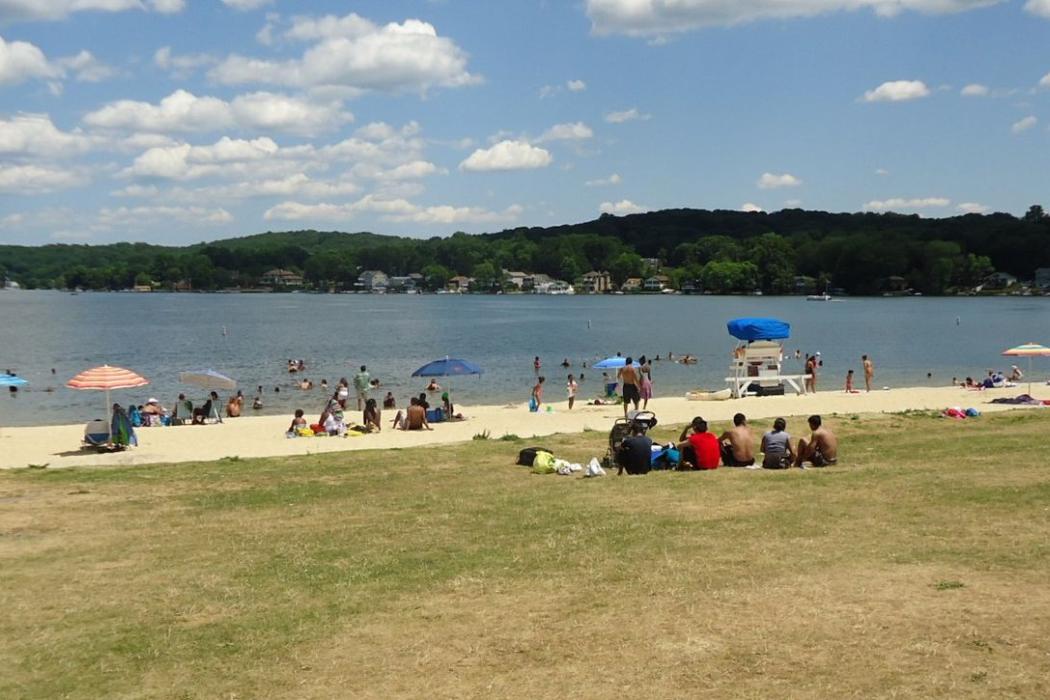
263 436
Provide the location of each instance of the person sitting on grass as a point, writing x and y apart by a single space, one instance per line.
737 445
635 453
699 448
822 448
776 447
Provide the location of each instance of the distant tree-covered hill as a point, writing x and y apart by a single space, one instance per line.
720 251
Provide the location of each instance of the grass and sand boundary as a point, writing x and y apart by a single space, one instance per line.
250 437
915 569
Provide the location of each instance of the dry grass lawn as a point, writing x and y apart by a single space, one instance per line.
917 568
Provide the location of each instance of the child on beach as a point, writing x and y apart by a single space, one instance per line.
537 395
571 386
298 423
849 383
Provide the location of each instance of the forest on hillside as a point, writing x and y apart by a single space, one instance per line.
716 251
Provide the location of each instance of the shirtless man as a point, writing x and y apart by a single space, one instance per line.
869 371
628 376
416 417
821 450
737 444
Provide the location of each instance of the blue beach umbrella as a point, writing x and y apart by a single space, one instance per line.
448 367
613 363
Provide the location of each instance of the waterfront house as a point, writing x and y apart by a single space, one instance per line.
281 279
657 283
460 283
517 279
596 282
999 280
1042 278
633 284
372 281
401 283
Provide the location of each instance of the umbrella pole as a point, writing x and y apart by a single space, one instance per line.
109 421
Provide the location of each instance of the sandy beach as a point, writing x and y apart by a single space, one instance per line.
59 446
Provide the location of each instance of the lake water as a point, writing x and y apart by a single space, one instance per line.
159 335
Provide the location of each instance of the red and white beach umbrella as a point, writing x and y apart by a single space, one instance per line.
107 379
1029 350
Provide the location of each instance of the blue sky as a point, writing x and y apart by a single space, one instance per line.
175 121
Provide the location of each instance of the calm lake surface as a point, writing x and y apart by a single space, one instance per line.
159 335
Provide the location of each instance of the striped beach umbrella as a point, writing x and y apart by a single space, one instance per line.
107 379
1029 350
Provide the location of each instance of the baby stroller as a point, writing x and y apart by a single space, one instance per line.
622 427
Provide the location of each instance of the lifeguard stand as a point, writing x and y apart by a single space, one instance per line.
759 359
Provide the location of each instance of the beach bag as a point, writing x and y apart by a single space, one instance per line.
544 463
533 406
972 412
527 457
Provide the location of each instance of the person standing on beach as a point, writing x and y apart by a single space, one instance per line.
571 386
361 386
628 375
869 371
811 374
646 371
537 394
536 363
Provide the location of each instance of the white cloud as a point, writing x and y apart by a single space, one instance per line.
36 136
184 112
244 5
772 181
613 179
793 203
21 61
658 17
898 203
974 90
121 217
621 208
86 67
751 208
398 210
507 155
1024 124
882 172
353 53
60 9
445 214
168 7
576 85
973 208
185 162
1040 8
897 91
576 131
628 115
1045 80
38 179
181 66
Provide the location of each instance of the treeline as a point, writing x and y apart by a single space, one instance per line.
718 251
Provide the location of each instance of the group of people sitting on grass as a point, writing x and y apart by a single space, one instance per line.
698 448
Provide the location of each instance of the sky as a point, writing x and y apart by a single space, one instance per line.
179 121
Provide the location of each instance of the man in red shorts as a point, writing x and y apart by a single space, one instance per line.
699 448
